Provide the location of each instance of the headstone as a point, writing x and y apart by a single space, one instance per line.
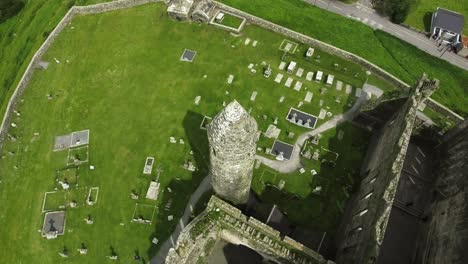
309 76
247 41
322 113
299 104
154 241
282 65
299 72
172 140
272 132
275 122
308 97
197 100
313 172
288 82
181 141
281 99
307 154
230 78
339 85
298 86
321 103
291 135
349 89
340 134
251 65
253 96
254 44
358 92
316 155
170 217
302 170
278 78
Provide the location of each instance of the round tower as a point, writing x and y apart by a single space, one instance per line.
232 135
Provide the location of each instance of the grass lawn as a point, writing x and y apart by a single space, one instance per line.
322 211
397 57
125 82
421 12
231 21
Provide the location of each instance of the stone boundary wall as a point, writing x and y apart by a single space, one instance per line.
338 52
75 10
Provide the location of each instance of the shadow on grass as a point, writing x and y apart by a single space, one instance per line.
173 203
427 19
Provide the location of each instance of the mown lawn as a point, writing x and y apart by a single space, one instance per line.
120 76
23 34
397 57
421 12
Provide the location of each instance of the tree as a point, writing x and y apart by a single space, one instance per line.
9 8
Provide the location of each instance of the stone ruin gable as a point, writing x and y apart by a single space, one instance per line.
232 135
180 9
445 238
370 212
203 11
221 220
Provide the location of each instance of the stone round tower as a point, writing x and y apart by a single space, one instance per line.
232 135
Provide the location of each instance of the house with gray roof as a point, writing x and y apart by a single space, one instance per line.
447 26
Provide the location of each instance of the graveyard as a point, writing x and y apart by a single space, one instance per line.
110 138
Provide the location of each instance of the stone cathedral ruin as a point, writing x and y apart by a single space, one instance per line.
377 218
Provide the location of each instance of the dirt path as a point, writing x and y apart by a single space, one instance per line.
288 166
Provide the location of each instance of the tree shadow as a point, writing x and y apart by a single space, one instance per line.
427 19
173 203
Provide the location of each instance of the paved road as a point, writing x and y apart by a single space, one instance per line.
369 17
294 163
160 257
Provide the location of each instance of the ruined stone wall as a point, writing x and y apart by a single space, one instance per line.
75 10
370 212
226 223
445 240
232 135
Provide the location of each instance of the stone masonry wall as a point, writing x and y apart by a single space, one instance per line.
445 240
75 10
227 224
370 212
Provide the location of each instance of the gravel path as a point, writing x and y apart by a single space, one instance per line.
288 166
160 257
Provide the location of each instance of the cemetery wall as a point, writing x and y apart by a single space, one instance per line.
365 231
339 52
32 66
445 237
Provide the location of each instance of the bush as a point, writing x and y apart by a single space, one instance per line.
9 8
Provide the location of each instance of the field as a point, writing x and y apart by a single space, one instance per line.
397 57
421 12
121 77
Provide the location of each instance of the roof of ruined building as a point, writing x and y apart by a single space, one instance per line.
182 6
448 20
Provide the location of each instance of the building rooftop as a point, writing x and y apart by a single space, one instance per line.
448 20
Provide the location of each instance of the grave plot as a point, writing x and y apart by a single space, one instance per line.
76 196
143 213
92 197
288 46
282 150
77 156
301 118
62 142
80 138
54 224
188 55
229 21
53 201
68 175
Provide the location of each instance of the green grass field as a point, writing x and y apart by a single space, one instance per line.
421 12
231 21
124 81
397 57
